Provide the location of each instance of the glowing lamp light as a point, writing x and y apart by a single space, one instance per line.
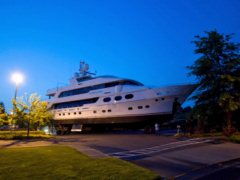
17 78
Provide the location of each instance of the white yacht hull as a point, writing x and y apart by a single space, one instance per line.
112 100
147 105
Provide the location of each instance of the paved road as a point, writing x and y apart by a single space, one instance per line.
169 156
166 155
104 144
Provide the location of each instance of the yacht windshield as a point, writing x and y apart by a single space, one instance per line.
75 103
99 86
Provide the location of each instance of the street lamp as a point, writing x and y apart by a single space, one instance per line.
17 78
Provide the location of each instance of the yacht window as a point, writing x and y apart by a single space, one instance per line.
107 99
129 96
68 113
156 100
147 106
75 103
103 111
75 113
63 114
50 96
59 114
112 84
109 110
130 108
163 99
81 79
94 112
99 86
118 98
140 107
87 89
79 113
132 83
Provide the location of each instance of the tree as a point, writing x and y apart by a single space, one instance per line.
3 115
218 73
2 107
18 115
32 111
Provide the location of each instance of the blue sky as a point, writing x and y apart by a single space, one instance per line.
146 40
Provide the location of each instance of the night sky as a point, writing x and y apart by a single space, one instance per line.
145 40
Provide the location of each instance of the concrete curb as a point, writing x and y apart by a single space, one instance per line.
207 170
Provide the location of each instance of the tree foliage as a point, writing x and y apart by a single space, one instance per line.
218 73
31 111
3 114
2 107
17 114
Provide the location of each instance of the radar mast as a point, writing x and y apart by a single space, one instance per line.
84 70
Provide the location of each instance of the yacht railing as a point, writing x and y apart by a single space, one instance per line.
53 90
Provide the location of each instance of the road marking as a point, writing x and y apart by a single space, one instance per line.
157 149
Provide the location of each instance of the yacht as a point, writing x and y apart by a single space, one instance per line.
91 99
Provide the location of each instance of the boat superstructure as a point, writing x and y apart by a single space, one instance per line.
93 99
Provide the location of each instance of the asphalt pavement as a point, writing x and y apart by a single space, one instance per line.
170 156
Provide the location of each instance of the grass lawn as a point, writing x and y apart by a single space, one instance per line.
60 162
6 135
234 138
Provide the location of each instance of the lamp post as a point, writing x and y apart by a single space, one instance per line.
17 78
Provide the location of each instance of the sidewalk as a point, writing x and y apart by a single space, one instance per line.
36 143
179 163
26 143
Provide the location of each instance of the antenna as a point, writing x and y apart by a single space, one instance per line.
84 69
81 69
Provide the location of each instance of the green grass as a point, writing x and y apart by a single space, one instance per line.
216 134
200 135
60 162
7 135
234 138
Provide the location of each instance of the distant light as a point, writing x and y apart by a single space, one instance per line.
17 78
46 130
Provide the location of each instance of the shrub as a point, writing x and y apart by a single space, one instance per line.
228 131
7 135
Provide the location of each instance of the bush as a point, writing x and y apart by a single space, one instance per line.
229 131
234 138
7 135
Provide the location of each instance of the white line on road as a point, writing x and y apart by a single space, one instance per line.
156 149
